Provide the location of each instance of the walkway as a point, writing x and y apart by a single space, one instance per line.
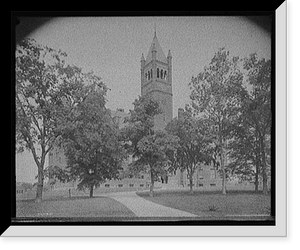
144 208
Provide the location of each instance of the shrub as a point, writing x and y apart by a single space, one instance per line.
213 208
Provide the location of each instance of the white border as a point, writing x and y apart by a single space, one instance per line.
281 177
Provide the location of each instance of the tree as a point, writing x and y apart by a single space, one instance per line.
140 123
256 108
216 96
92 144
245 154
194 144
38 102
149 148
153 154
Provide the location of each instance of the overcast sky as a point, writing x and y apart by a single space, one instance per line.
112 48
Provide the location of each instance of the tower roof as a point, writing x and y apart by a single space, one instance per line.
160 56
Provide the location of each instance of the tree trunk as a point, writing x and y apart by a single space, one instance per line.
223 172
264 173
91 191
40 184
152 183
191 184
39 193
265 182
264 165
256 177
256 182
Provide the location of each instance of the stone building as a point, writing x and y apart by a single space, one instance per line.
156 82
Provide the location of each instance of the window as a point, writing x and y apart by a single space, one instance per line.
131 185
165 75
213 173
106 185
212 184
141 185
120 185
157 73
161 74
151 75
200 184
200 174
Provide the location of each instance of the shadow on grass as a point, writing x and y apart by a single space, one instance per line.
76 206
239 203
63 198
160 193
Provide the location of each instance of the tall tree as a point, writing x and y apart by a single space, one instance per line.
153 155
149 148
92 141
38 102
215 95
256 109
244 154
194 143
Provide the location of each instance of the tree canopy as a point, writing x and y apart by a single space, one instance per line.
251 144
216 95
194 145
149 148
38 102
93 148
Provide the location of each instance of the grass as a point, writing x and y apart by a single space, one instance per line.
98 207
235 203
204 204
47 194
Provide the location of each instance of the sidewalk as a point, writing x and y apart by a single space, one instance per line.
144 208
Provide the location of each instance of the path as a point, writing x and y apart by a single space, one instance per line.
144 208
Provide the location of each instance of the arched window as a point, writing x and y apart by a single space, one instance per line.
157 73
165 75
148 75
151 74
161 74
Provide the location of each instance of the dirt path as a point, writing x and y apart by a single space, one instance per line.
143 208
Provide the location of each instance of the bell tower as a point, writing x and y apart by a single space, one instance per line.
156 82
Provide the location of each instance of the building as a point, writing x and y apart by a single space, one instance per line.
156 83
23 187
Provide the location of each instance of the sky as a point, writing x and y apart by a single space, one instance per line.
112 47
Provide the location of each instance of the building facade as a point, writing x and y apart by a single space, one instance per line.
156 83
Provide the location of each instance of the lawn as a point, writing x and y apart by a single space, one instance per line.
207 204
97 207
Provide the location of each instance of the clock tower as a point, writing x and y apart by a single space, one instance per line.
156 82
